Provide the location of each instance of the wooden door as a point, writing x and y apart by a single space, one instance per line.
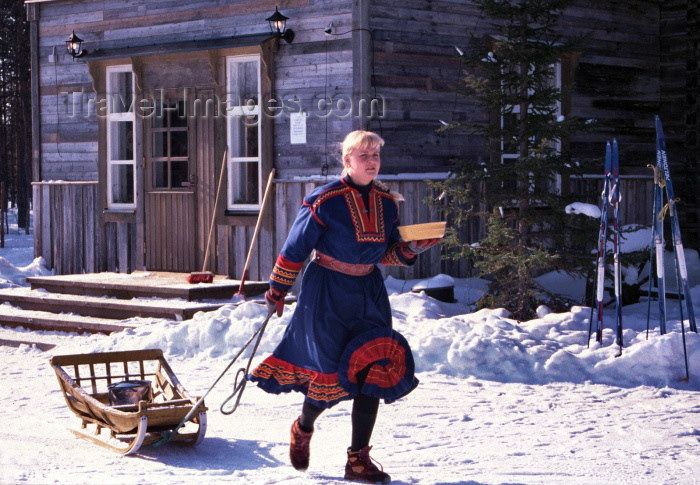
170 200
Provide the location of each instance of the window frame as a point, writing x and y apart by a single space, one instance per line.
119 117
507 157
173 107
234 113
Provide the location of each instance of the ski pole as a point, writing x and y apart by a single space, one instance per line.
680 305
685 353
651 250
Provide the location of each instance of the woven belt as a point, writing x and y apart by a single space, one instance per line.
330 262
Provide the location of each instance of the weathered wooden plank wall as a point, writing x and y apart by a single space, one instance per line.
315 67
415 71
680 107
637 196
616 85
69 235
72 239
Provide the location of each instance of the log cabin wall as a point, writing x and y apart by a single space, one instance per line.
680 107
314 75
411 65
616 84
313 68
416 69
415 72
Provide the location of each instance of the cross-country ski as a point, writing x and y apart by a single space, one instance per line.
609 224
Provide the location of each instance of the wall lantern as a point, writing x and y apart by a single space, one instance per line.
278 26
74 46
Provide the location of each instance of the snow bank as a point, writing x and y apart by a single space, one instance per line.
486 344
12 276
447 338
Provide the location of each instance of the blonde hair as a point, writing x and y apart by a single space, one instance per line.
359 139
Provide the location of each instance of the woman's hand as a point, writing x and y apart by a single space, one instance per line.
421 245
275 300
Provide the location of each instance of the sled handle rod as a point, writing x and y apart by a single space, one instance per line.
242 374
168 435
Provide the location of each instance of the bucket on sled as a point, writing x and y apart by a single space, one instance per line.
129 392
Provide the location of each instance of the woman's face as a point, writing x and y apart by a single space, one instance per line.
362 165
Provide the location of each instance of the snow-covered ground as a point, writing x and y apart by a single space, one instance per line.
499 401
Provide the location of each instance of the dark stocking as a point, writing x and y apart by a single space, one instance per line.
309 413
364 415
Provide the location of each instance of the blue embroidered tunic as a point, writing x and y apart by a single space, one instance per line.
340 221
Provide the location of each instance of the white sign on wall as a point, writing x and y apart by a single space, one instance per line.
297 128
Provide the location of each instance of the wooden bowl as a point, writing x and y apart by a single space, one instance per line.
428 230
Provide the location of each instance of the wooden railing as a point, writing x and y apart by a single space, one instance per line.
69 235
636 196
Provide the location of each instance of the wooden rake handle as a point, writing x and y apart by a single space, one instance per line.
256 231
213 212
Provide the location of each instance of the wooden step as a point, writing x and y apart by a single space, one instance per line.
103 307
145 284
37 320
30 342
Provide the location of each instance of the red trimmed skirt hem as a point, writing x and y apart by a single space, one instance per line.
276 376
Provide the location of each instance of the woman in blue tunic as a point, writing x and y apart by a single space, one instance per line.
339 343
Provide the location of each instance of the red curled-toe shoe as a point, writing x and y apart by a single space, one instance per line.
361 467
299 447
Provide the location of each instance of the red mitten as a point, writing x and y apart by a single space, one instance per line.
275 300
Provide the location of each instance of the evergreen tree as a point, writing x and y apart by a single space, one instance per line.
518 187
15 108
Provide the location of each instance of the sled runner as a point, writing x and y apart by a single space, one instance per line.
93 384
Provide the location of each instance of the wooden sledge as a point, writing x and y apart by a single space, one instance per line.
129 426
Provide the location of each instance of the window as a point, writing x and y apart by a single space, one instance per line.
120 138
509 124
170 155
244 132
